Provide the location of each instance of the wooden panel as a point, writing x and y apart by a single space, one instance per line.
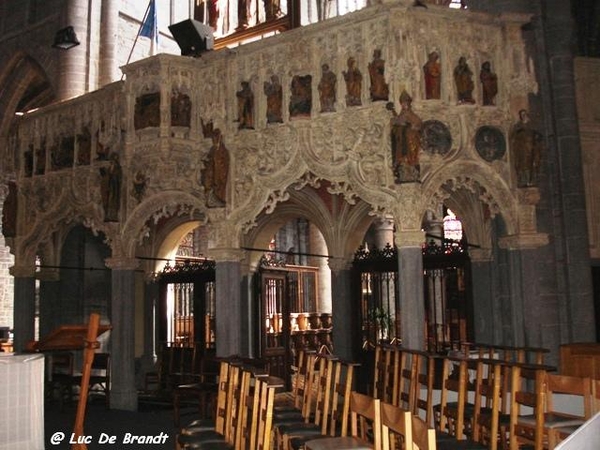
580 360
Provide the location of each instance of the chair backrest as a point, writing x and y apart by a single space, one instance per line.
409 365
454 384
396 427
423 403
343 378
595 396
222 391
323 393
365 418
266 387
569 385
423 436
303 371
488 385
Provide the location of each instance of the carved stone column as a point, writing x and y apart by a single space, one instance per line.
345 335
123 388
24 309
410 280
229 311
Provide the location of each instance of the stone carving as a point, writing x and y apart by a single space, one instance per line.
301 96
147 111
489 84
406 141
274 93
490 143
62 153
216 168
379 88
436 137
463 79
84 147
181 109
9 211
353 79
245 99
526 146
433 76
110 188
327 89
140 182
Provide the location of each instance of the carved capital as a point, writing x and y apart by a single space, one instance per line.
122 263
338 264
525 241
409 238
227 254
22 271
480 255
47 274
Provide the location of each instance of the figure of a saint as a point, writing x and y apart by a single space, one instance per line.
406 140
489 84
463 78
433 77
245 98
353 79
110 188
215 174
379 88
327 89
274 93
526 151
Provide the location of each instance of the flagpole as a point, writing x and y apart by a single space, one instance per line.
138 34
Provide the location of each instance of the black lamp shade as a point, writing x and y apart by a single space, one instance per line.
65 39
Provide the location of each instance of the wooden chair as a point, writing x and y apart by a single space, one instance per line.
527 390
423 404
408 369
486 419
396 427
423 436
449 414
558 425
365 420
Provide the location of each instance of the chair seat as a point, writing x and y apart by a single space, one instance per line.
464 444
552 420
199 438
337 443
298 429
298 443
198 426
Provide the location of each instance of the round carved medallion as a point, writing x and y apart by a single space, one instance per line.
490 143
436 137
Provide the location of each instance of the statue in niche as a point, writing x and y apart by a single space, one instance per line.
433 77
110 188
489 84
406 141
243 14
213 13
272 9
140 182
215 173
526 145
181 110
463 79
245 98
327 89
301 96
353 79
9 211
102 151
62 153
274 92
84 147
379 88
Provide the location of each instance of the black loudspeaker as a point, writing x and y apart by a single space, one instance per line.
193 37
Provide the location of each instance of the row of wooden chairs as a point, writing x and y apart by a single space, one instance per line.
244 411
484 403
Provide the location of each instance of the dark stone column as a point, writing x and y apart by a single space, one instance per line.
346 332
24 309
49 301
148 359
485 321
122 341
229 313
410 288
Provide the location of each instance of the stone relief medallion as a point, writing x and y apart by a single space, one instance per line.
436 137
490 143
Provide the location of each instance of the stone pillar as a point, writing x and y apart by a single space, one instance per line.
123 388
486 318
346 329
151 295
72 65
49 301
109 33
410 280
24 309
319 246
229 312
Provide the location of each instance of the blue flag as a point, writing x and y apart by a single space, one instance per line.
150 25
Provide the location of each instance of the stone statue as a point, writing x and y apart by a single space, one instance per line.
181 109
433 77
406 141
353 79
274 93
489 84
9 211
110 188
215 173
301 96
463 78
379 88
526 150
245 98
327 89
